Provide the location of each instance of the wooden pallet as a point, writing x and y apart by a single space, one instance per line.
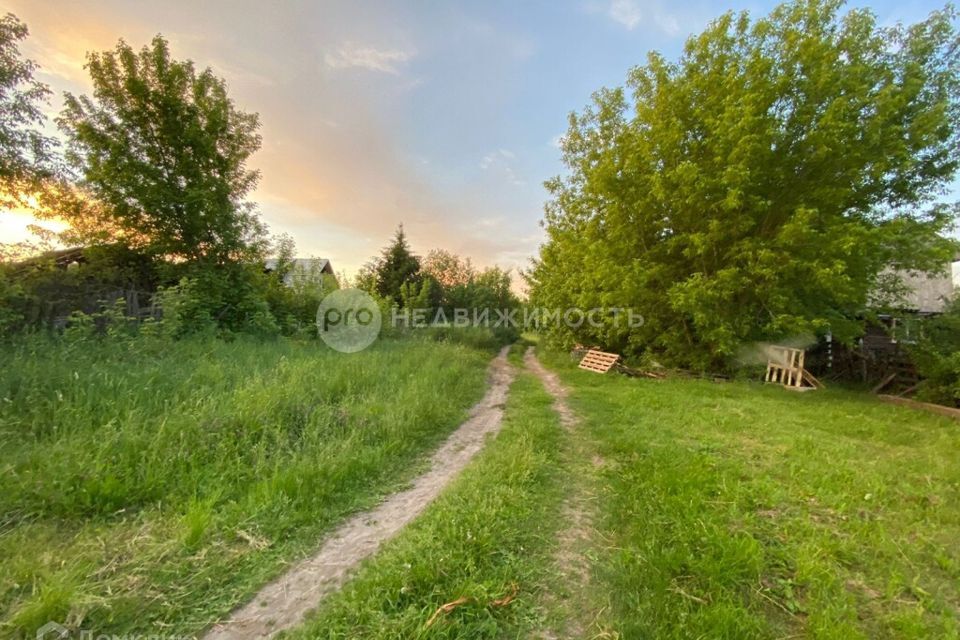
785 365
924 406
598 361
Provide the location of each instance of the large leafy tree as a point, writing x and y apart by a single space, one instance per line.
448 269
463 286
164 150
759 186
25 152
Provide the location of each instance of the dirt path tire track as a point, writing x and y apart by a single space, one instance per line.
283 603
554 387
577 512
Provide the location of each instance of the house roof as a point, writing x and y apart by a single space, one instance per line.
921 292
302 269
322 264
925 293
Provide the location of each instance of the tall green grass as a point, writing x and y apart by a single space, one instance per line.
152 485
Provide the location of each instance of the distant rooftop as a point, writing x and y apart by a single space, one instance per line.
927 294
302 269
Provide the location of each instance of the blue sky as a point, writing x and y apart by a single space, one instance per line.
440 115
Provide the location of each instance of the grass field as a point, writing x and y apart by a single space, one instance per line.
153 486
153 490
738 510
729 510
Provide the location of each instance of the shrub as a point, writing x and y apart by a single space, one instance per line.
294 304
937 356
183 310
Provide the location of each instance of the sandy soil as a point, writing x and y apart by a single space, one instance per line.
284 603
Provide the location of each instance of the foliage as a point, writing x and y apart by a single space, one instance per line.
89 221
164 150
44 290
226 301
25 153
486 338
757 187
294 290
396 267
233 296
436 288
490 289
12 302
463 286
422 294
448 269
285 256
366 278
182 310
162 155
937 356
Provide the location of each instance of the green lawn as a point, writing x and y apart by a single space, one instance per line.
151 487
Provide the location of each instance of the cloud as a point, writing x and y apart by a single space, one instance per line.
495 157
351 55
667 23
626 12
501 161
339 168
236 75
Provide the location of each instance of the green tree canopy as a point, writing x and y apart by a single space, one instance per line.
757 187
164 150
463 286
25 153
396 267
447 268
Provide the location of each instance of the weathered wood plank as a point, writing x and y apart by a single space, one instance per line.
950 412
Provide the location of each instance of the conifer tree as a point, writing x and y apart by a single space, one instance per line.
397 266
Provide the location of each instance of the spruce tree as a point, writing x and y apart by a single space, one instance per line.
397 266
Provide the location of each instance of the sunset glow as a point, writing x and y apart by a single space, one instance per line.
373 114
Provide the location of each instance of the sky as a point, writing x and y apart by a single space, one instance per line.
443 116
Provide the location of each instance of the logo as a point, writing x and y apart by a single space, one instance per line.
52 631
348 320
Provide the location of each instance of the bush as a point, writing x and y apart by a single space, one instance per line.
12 302
227 300
475 337
183 311
937 356
295 304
